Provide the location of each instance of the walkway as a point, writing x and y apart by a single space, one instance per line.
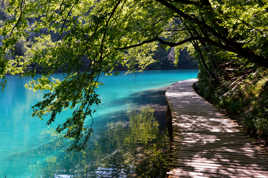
207 143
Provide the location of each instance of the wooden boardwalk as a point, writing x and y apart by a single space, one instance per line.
207 143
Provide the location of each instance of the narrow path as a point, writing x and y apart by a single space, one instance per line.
207 143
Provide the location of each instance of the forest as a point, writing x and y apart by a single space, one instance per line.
228 38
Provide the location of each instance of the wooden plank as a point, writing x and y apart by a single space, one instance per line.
206 143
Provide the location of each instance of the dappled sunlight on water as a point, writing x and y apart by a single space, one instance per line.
29 148
135 147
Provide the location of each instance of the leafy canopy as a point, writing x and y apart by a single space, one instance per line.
98 35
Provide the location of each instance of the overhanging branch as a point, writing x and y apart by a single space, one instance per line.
160 40
138 44
20 17
229 44
172 44
186 2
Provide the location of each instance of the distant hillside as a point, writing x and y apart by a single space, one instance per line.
166 60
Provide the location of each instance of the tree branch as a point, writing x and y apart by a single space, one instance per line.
229 44
190 18
172 44
160 40
20 16
106 26
139 44
187 2
65 20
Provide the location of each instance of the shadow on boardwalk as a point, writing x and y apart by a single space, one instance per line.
207 143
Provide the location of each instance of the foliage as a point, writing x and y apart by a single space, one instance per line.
243 94
141 146
125 147
59 34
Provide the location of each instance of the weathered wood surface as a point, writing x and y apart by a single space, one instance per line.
206 143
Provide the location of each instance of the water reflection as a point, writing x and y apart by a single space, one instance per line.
114 148
132 148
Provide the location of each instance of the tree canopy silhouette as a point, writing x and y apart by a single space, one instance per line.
62 35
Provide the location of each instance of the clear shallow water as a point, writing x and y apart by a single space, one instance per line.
29 148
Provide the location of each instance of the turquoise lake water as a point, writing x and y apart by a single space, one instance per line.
29 148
